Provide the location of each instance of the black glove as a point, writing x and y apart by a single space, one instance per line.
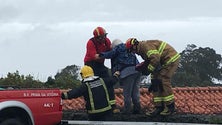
156 85
142 67
157 69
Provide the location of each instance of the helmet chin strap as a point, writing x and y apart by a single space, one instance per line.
136 48
100 40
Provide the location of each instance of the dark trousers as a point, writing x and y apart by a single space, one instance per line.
99 69
131 86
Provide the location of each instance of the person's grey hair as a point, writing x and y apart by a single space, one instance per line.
116 42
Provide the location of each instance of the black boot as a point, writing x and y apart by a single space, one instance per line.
155 112
169 109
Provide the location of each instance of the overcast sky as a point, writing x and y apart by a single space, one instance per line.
41 37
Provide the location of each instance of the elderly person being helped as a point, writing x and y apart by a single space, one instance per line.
125 63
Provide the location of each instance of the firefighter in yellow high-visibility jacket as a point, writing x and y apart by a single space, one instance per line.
161 60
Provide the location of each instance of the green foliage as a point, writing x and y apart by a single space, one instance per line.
15 79
184 79
72 71
198 67
67 78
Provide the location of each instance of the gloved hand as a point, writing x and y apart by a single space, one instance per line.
64 95
157 69
156 86
142 67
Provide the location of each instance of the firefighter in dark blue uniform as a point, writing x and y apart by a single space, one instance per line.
95 92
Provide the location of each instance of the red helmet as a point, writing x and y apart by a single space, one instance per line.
99 31
130 42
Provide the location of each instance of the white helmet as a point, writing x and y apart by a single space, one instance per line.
116 42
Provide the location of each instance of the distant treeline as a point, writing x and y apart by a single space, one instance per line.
198 67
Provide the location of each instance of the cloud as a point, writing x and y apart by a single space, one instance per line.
41 37
8 12
57 45
51 11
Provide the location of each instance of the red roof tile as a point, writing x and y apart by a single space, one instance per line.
195 100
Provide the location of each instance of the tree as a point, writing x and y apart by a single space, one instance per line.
198 66
15 79
50 82
68 77
72 70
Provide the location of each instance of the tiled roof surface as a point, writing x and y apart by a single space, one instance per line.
194 100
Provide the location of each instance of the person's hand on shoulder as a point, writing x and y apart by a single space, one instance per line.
97 57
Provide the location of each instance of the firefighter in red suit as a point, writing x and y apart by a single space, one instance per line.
95 45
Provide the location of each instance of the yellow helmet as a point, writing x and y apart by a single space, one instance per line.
86 71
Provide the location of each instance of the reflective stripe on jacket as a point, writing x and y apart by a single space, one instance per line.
157 52
97 103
